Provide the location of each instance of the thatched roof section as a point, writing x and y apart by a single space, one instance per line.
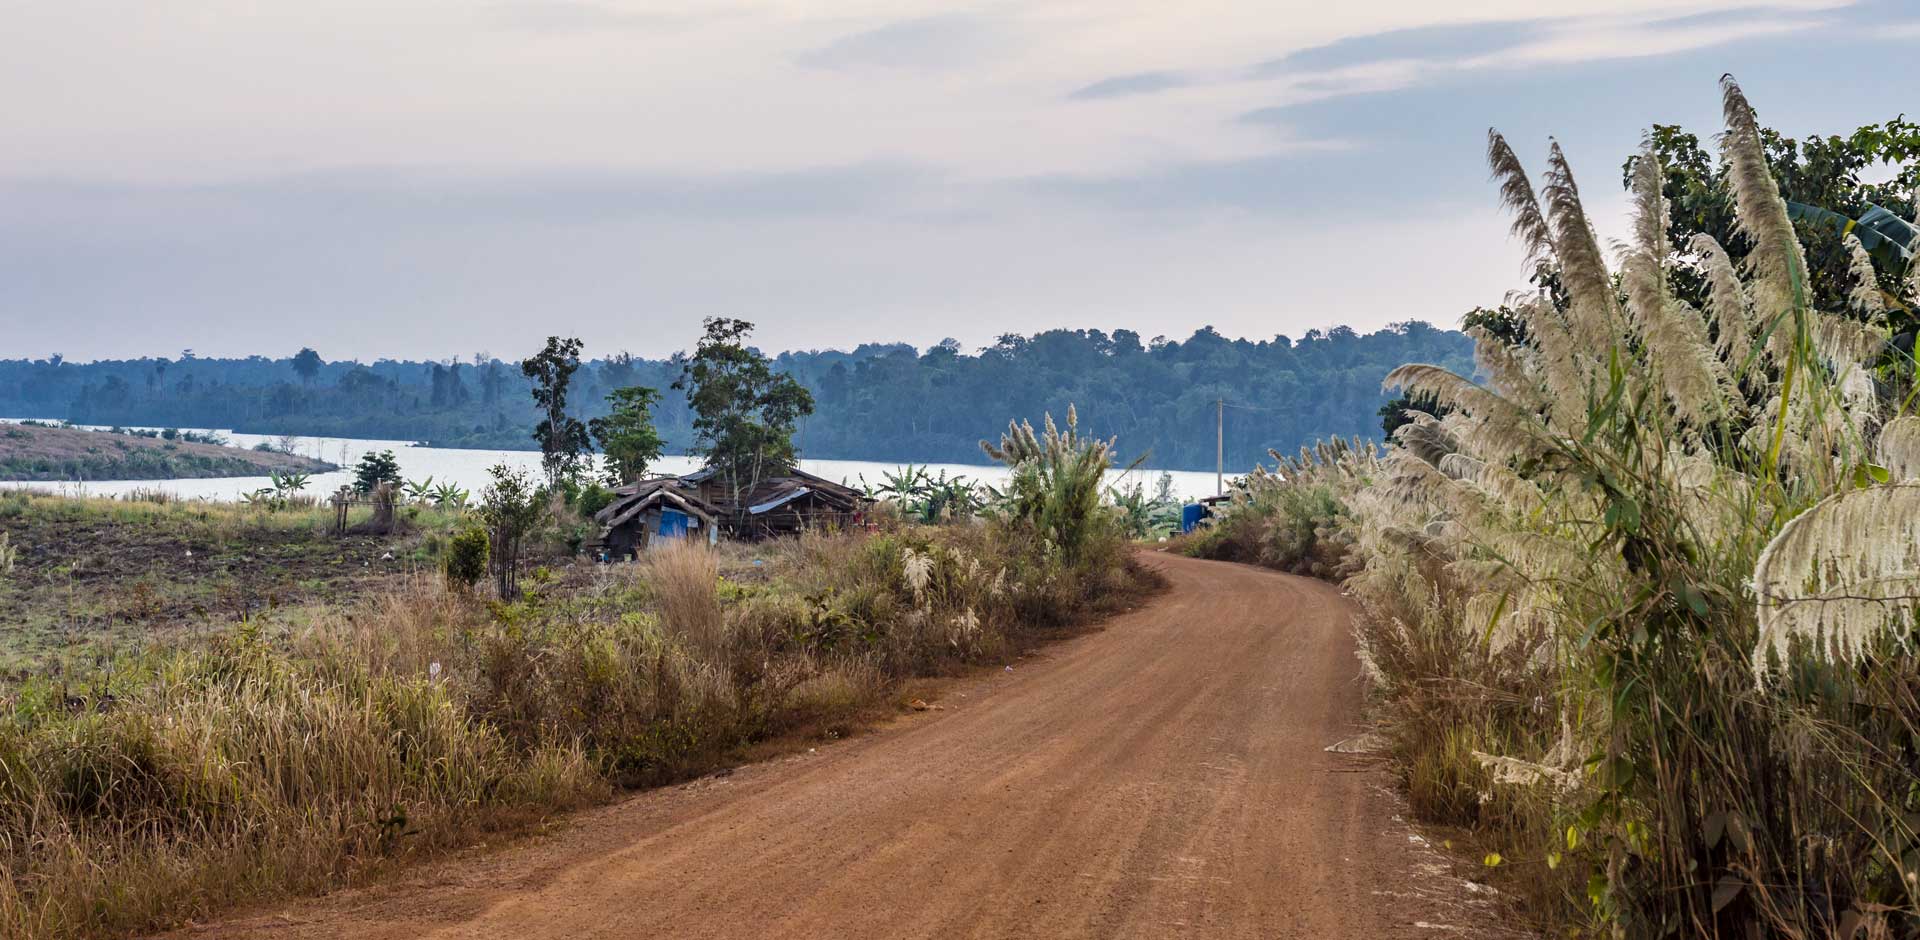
672 492
783 503
778 491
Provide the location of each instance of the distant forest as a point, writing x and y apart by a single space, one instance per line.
885 402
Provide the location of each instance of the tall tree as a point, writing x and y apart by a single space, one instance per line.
626 433
563 439
306 364
510 509
744 412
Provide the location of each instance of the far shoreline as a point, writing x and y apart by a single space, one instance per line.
42 452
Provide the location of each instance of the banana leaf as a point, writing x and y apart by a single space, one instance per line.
1891 227
1890 239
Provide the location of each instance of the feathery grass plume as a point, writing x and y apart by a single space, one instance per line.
1425 437
1414 484
1840 574
1548 557
1517 195
1500 427
1847 343
1593 309
1727 303
1626 554
1566 369
1651 216
1521 497
1672 335
1900 447
1779 288
1460 467
1813 436
1713 496
1055 484
1865 295
1504 368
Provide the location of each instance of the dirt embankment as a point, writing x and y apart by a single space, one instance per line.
1165 776
31 452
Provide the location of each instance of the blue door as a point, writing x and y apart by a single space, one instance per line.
673 524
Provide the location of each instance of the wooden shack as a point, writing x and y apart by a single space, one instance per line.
700 504
645 513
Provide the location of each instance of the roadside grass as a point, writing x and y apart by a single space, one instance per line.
1650 640
297 752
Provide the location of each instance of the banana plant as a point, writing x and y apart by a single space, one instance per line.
449 496
419 491
1143 516
946 497
289 482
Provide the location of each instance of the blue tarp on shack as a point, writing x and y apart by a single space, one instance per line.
673 524
1190 516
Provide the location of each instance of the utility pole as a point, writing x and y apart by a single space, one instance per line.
1219 447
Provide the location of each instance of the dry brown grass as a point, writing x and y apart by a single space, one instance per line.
286 758
685 577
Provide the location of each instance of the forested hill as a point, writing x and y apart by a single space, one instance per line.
878 402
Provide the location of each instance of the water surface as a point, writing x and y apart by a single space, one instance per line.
467 468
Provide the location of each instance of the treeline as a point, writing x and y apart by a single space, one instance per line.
877 402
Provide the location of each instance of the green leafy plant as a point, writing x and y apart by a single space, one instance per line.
449 496
418 491
466 558
375 469
626 434
927 497
745 413
510 507
1056 477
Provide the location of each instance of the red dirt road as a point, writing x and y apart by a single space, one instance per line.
1164 776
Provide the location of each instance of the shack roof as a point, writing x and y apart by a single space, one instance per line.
710 501
634 498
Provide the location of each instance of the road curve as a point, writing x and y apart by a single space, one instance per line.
1163 776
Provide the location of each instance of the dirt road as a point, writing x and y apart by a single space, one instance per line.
1164 776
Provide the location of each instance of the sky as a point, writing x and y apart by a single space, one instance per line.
435 178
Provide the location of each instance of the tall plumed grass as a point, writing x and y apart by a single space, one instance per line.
1281 521
1056 477
282 760
1641 603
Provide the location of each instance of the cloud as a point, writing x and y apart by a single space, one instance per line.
1405 58
932 42
1426 43
1139 83
376 196
625 166
581 17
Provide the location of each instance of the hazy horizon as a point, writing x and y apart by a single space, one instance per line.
415 178
593 352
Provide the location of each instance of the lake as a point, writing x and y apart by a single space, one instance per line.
468 469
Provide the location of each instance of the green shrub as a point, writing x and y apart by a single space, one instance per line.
1291 528
467 554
